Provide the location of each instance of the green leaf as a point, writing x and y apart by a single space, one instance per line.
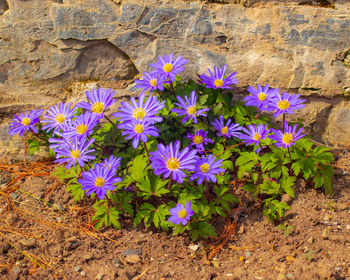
287 184
203 99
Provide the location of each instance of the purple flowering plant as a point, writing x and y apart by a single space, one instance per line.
175 154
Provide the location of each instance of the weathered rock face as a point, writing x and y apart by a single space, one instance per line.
48 49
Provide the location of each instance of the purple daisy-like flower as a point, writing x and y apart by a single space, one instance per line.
98 180
81 127
206 169
181 214
285 103
150 82
167 67
139 110
217 80
138 129
100 100
75 151
189 109
254 134
112 163
227 130
199 139
168 160
260 96
24 122
289 136
57 117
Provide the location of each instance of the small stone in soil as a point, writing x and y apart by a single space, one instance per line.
132 259
290 275
310 240
248 254
82 273
325 233
130 252
100 276
116 262
193 247
28 242
16 270
241 229
59 207
87 257
77 268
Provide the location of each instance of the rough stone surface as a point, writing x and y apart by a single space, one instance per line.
48 47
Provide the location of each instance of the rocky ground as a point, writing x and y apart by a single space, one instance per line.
45 235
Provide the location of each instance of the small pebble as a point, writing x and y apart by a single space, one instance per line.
310 240
87 257
16 270
193 247
289 275
59 219
132 259
100 276
229 274
77 268
325 233
28 242
83 273
59 207
348 227
129 252
248 254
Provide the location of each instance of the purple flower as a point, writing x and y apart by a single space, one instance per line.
138 129
167 67
285 103
100 100
112 163
98 180
217 80
74 151
199 139
81 127
206 168
24 122
150 82
170 161
57 117
254 134
260 96
189 109
227 130
181 214
289 136
134 111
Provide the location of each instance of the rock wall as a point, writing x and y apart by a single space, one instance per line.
52 50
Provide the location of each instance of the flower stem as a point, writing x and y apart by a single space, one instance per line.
160 94
170 181
290 156
172 88
103 149
37 135
108 119
284 119
147 152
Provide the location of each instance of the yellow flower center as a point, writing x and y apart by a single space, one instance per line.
139 113
75 154
173 164
191 110
182 213
262 96
224 130
99 182
287 138
153 82
81 128
98 108
168 67
197 139
25 121
205 167
283 104
139 128
60 118
256 136
218 83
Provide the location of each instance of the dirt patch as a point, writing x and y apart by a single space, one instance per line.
45 235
